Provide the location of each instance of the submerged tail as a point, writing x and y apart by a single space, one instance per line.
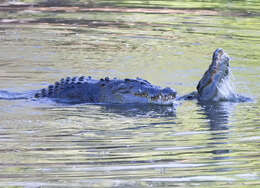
7 95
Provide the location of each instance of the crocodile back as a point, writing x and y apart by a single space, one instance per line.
88 90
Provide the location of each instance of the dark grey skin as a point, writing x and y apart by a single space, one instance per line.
213 86
115 91
107 91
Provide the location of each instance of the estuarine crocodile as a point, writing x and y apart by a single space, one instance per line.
213 86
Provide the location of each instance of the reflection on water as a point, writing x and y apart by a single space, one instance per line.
192 144
141 110
217 114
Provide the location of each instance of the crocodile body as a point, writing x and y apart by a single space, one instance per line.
88 90
215 85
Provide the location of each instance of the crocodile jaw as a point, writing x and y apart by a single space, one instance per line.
146 95
215 84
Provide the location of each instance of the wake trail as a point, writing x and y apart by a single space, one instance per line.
7 95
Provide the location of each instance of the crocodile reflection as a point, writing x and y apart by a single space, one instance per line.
218 114
137 110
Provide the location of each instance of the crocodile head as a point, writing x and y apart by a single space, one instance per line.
139 91
215 84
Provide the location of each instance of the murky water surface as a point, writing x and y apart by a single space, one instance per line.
189 145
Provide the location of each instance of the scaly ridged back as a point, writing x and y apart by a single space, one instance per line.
85 89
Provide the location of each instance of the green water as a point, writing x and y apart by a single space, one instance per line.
44 144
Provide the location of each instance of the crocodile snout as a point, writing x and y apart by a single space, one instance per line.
210 84
220 58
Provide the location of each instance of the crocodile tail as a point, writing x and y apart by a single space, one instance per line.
73 88
7 95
